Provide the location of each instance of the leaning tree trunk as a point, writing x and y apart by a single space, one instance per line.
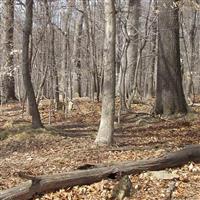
105 132
8 47
36 122
170 98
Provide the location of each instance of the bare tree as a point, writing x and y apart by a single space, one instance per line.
133 32
106 128
77 53
66 70
150 86
192 37
8 47
36 121
124 59
170 98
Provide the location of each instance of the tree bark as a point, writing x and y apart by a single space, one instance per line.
123 64
138 68
39 92
105 132
8 49
54 68
151 71
132 52
77 54
123 106
192 37
65 75
47 183
170 98
36 121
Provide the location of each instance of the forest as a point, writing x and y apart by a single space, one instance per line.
100 99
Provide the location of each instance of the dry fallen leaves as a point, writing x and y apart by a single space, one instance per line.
67 144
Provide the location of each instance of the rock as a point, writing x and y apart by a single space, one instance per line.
122 189
162 175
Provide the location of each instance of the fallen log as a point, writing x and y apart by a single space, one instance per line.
46 183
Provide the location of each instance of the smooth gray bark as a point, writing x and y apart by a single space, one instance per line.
106 128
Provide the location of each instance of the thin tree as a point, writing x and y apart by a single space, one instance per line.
123 66
27 30
170 97
192 37
65 75
150 91
77 62
105 132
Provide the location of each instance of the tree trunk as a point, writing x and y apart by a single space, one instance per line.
105 132
123 66
54 68
170 98
77 54
39 92
123 106
36 121
151 70
8 49
192 36
132 53
42 184
65 75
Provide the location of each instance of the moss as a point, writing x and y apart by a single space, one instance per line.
192 116
24 131
8 124
3 135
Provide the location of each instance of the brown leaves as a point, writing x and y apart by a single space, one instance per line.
69 144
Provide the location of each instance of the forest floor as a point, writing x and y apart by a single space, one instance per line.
69 143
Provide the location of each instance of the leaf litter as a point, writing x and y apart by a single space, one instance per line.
69 143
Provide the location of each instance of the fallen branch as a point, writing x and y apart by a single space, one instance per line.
42 184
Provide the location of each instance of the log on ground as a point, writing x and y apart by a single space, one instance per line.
47 183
